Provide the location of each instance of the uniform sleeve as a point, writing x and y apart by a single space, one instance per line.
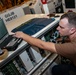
66 49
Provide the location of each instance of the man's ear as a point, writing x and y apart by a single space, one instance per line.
72 30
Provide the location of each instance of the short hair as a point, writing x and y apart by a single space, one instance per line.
71 16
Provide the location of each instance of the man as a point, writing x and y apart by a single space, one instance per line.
67 27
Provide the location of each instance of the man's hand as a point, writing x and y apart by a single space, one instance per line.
19 34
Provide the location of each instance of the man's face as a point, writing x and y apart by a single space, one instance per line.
63 27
